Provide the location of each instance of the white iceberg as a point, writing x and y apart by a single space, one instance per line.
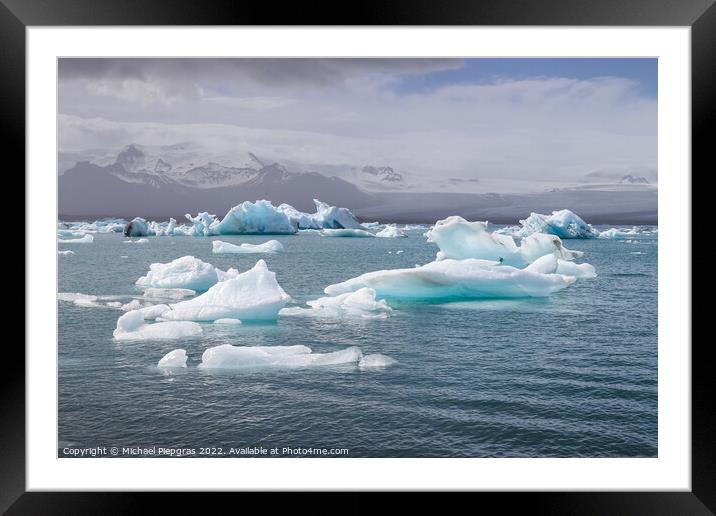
390 231
326 217
376 361
624 233
175 358
139 241
270 247
459 239
260 217
357 233
562 223
131 326
254 295
361 303
456 279
186 272
87 239
137 227
201 224
227 356
550 264
169 293
65 253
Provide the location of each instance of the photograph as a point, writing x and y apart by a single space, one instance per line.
346 257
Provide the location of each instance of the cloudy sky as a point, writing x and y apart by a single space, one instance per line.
491 119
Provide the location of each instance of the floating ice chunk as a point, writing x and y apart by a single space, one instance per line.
134 304
399 251
65 253
459 239
228 321
87 239
131 326
390 231
201 223
186 272
270 247
260 217
175 358
563 223
360 233
68 233
78 299
361 303
139 241
227 356
456 279
550 264
622 233
169 293
254 295
114 304
376 361
326 217
137 227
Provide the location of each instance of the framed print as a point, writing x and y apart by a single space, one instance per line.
435 250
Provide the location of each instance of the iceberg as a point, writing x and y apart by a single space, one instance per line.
175 358
260 217
87 239
562 223
361 303
459 239
270 247
186 272
227 356
65 253
456 279
131 326
326 217
139 241
622 233
137 227
169 293
358 233
201 224
376 361
390 231
254 295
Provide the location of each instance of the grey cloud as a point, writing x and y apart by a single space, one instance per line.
266 71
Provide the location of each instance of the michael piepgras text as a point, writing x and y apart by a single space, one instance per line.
170 451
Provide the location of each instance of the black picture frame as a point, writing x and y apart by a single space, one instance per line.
700 15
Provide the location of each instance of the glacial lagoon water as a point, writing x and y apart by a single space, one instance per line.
572 375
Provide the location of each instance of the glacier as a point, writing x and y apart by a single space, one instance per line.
270 247
390 231
254 295
456 279
131 326
361 303
227 356
175 358
186 272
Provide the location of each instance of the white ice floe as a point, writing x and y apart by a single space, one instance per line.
361 303
626 233
359 233
99 226
131 326
169 293
550 264
228 321
562 223
270 247
175 358
139 241
376 361
137 227
186 272
227 356
456 279
65 253
390 231
254 295
459 239
87 239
